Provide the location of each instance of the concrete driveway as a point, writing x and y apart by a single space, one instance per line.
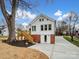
64 49
45 48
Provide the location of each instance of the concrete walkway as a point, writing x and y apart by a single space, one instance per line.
64 49
45 48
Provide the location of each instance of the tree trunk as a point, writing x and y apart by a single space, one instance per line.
11 29
72 38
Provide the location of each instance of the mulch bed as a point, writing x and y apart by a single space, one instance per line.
19 43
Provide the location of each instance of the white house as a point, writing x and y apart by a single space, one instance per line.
43 29
5 32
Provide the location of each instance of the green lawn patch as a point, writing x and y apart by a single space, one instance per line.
3 38
75 42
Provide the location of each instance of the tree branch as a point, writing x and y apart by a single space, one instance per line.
14 7
4 11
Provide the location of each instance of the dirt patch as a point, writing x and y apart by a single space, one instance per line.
13 52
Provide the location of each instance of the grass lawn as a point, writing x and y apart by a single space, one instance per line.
75 42
3 37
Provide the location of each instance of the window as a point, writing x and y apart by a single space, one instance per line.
50 27
41 27
45 38
33 28
39 19
47 19
42 19
45 27
0 31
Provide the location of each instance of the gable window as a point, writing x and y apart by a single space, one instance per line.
42 19
49 26
45 27
47 19
33 28
41 27
39 19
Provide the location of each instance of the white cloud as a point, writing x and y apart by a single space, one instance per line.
59 18
30 15
25 24
66 15
58 13
63 16
25 14
77 26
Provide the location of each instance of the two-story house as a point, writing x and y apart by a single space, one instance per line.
43 29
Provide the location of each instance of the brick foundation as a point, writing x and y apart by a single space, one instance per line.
52 39
36 38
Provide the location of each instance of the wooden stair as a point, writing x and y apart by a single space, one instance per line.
27 37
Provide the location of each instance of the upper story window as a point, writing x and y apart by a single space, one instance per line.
49 26
45 27
41 27
33 28
41 19
47 19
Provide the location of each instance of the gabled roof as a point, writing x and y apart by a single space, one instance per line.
42 15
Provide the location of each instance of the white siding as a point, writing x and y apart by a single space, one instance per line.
5 32
43 40
38 27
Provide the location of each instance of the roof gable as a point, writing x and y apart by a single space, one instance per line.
42 15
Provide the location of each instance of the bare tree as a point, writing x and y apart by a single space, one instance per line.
10 18
72 20
61 27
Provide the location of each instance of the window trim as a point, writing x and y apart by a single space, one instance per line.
49 27
33 28
42 19
39 19
45 28
45 38
42 27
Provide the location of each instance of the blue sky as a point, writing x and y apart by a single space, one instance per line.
55 10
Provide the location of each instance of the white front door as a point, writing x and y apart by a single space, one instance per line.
45 38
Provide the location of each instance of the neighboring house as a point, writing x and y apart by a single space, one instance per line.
4 30
77 31
43 29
